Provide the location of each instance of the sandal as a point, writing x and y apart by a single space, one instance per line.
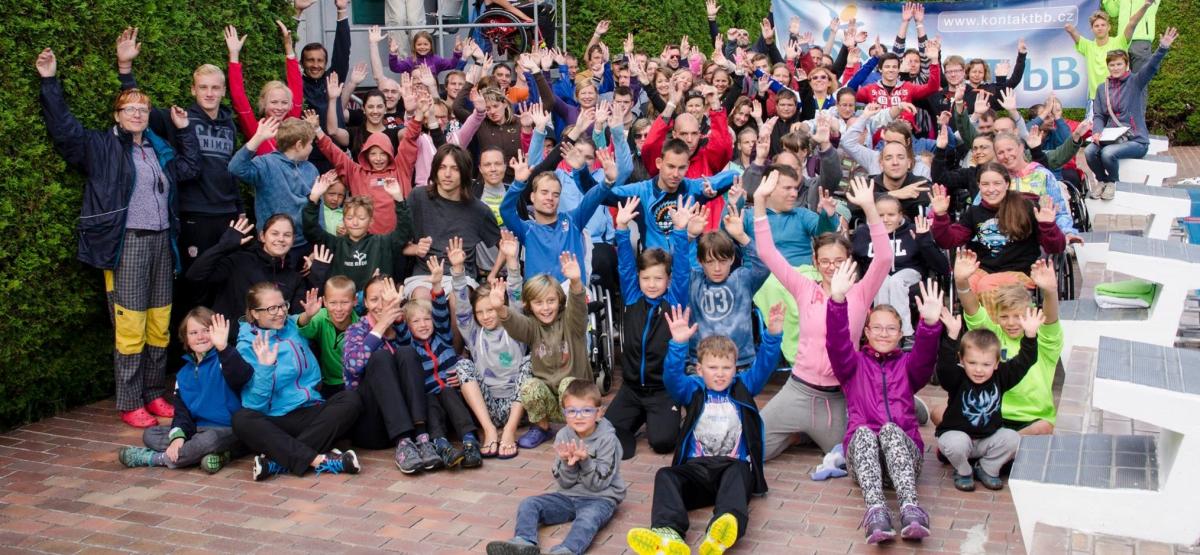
489 449
507 446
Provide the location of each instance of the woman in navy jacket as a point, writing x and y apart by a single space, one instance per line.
127 227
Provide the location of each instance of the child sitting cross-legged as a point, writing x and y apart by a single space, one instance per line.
200 431
719 451
879 383
588 470
975 379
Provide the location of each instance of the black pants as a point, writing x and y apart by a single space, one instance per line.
604 267
393 398
632 408
296 438
197 233
448 407
721 482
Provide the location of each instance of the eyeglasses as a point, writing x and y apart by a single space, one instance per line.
135 110
885 330
825 262
274 310
587 412
820 77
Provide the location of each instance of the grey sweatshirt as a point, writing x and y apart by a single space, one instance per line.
599 475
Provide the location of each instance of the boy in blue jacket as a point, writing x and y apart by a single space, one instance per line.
651 283
719 454
204 403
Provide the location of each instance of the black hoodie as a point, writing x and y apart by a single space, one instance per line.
918 252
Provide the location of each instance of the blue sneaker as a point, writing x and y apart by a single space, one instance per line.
336 464
265 468
533 437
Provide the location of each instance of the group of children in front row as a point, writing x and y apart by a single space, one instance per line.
405 385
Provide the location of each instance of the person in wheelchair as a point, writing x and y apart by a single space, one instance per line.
498 11
651 282
916 257
1035 179
1005 230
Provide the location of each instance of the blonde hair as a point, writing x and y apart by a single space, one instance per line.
340 284
208 69
267 89
540 286
416 307
494 94
359 201
293 132
1006 298
716 346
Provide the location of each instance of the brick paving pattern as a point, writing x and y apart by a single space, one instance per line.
63 491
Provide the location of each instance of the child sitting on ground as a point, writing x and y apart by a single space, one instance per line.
879 383
200 431
359 254
324 323
974 379
651 283
719 451
502 363
555 330
588 470
1028 407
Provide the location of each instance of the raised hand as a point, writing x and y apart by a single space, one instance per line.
179 117
374 35
46 64
244 227
1035 137
922 225
312 118
983 101
765 188
455 255
843 279
266 354
285 34
267 128
322 254
711 8
1042 274
966 263
499 292
952 322
423 245
1021 46
570 266
333 88
218 331
677 321
698 222
939 200
128 46
1046 210
1168 37
626 212
685 209
775 318
1032 320
929 304
509 245
735 224
520 167
826 203
312 303
602 27
436 271
609 163
233 42
391 186
358 75
910 191
862 193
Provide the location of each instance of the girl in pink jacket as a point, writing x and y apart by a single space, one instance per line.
879 383
812 402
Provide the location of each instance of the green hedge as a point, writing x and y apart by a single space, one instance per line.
55 335
1172 108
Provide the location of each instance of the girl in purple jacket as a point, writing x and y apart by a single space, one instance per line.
422 55
879 383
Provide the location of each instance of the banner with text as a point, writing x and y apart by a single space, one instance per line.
987 29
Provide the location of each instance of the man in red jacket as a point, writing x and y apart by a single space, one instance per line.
891 91
709 155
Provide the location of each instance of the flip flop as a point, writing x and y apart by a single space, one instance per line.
490 449
503 446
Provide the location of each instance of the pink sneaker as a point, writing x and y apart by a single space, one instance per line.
160 407
139 418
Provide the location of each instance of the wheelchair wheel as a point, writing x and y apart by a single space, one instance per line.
1064 267
1079 211
600 329
504 40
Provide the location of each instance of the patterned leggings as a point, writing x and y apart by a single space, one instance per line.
897 450
499 401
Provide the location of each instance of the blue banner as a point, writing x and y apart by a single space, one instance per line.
987 29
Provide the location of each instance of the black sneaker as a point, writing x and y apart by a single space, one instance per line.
515 546
346 462
429 456
472 458
451 456
265 468
964 482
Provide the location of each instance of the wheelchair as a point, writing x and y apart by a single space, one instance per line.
508 39
603 336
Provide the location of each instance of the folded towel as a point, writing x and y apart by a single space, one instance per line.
1129 289
1105 301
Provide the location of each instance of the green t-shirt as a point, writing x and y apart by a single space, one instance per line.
1033 398
1122 10
332 218
328 342
1094 58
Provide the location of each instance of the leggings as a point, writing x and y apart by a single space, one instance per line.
900 454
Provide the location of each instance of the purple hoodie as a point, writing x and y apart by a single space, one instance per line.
879 387
435 63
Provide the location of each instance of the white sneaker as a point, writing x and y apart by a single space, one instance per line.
1094 190
1109 191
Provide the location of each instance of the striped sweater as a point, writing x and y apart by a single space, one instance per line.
436 352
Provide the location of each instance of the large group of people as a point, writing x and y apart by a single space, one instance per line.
413 270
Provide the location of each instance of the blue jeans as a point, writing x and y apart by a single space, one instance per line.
589 513
1105 161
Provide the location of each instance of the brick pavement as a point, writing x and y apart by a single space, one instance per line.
63 491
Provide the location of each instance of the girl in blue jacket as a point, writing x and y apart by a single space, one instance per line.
284 416
204 402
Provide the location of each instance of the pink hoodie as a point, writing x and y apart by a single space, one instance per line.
812 361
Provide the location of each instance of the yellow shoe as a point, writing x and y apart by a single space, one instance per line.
721 535
656 541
